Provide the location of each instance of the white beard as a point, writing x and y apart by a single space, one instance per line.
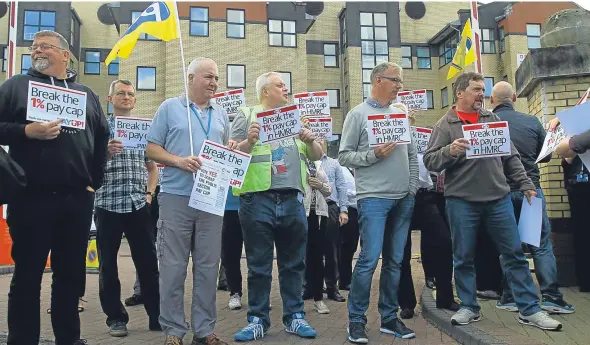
41 64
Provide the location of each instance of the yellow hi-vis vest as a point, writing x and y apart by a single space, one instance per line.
258 177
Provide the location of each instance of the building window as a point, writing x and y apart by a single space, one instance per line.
143 36
286 76
489 85
533 34
36 21
447 50
501 41
334 97
146 78
25 63
236 27
429 99
444 97
406 57
4 59
110 108
92 62
374 45
199 21
236 76
423 54
330 59
114 67
488 44
281 33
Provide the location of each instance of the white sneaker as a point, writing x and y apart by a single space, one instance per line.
235 301
464 317
321 307
540 319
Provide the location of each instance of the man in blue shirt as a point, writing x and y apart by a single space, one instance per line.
183 230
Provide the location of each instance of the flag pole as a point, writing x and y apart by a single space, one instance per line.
185 81
12 39
476 32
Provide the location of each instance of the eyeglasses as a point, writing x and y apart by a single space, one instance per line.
44 47
393 79
123 93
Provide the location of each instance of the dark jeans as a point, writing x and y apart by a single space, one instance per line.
314 256
40 223
137 228
349 234
437 251
231 251
278 217
487 263
498 219
332 247
578 198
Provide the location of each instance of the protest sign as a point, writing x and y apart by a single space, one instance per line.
236 161
209 192
421 137
279 123
388 128
321 126
160 172
313 103
230 101
552 139
576 121
490 139
415 100
132 132
46 103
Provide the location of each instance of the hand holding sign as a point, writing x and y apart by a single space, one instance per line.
383 151
43 130
115 147
253 133
191 164
459 146
306 136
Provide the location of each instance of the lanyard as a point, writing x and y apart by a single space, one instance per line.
193 108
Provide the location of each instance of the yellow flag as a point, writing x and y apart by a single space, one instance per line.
465 54
159 20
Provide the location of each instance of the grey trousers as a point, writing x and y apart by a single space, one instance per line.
183 230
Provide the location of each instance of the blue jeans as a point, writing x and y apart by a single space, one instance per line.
545 265
270 218
384 225
464 220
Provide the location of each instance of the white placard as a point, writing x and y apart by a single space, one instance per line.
490 139
552 140
531 221
279 123
519 59
209 192
321 126
415 100
132 132
388 128
236 161
46 103
313 103
230 101
421 137
160 173
575 121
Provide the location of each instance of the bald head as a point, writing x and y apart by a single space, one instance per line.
503 93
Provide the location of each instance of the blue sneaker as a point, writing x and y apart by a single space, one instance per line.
300 327
508 305
254 330
556 305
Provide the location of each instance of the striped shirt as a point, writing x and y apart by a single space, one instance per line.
336 179
125 177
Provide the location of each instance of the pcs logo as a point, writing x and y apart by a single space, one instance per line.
157 12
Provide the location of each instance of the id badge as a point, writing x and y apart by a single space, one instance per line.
582 178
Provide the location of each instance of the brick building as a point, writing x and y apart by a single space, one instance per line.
330 46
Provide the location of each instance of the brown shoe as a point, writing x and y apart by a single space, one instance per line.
173 340
211 339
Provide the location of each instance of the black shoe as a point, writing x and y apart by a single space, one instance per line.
134 300
336 296
406 313
307 295
344 287
357 333
430 283
397 328
453 306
